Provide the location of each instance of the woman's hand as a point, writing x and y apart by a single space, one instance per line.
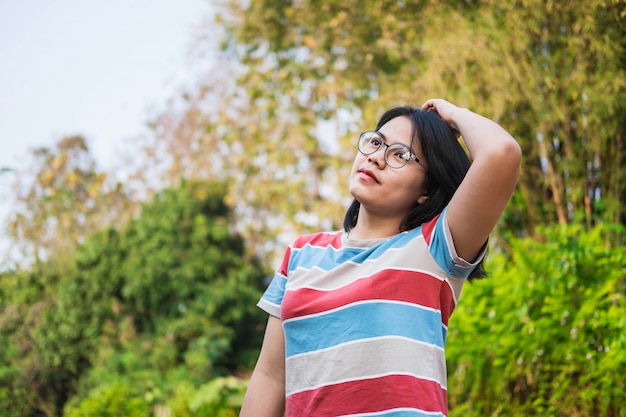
445 110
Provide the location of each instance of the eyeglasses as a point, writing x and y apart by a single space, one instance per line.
396 155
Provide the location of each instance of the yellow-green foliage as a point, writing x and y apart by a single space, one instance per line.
220 397
545 333
109 401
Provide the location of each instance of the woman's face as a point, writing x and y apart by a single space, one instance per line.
383 190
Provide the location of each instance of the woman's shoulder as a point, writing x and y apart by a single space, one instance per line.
426 228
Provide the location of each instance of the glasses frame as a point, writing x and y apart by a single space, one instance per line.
387 147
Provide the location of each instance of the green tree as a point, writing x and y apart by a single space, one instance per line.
168 298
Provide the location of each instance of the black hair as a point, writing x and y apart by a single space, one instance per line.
447 165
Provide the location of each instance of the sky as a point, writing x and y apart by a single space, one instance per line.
95 68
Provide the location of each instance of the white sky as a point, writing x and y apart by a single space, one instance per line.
89 67
96 68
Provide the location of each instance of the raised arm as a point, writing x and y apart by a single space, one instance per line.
265 396
482 196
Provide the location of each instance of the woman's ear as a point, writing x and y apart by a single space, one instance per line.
422 199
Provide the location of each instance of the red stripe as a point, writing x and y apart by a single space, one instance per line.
447 303
427 229
407 286
284 266
369 396
319 240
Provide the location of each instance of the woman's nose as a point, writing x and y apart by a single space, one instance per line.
378 157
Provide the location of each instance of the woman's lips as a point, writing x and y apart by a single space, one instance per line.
368 175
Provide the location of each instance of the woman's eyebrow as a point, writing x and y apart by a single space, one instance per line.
395 143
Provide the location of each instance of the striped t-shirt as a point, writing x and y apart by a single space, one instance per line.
365 322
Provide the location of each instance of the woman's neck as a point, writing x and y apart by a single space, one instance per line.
373 227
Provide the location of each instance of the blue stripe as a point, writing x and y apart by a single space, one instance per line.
276 290
327 257
441 252
362 321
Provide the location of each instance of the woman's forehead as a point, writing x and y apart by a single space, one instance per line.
398 130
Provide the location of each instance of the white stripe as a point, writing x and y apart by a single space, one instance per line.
270 308
366 359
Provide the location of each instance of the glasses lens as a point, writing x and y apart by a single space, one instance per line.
369 142
397 155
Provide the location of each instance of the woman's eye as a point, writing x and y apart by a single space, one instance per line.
375 142
404 156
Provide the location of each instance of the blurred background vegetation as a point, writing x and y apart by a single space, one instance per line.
137 297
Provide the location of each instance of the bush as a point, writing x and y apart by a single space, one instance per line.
109 401
545 333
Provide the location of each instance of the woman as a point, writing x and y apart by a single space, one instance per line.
358 318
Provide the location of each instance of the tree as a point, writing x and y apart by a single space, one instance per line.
169 297
61 199
569 58
278 114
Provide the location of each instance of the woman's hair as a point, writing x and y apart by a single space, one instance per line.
447 165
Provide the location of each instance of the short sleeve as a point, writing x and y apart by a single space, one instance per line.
442 249
272 299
